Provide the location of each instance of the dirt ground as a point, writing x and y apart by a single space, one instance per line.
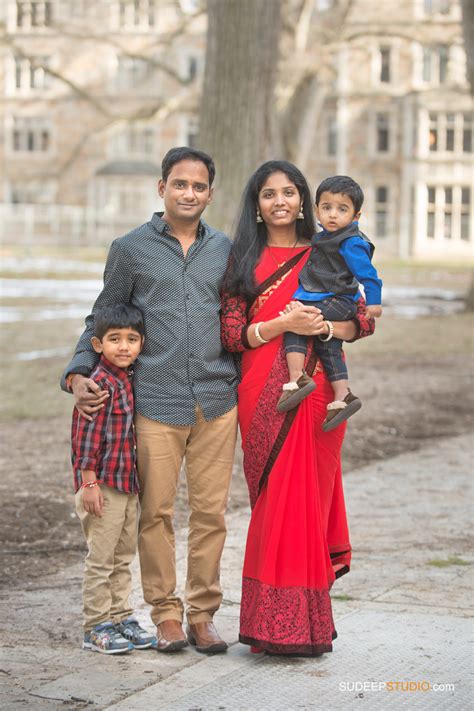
406 402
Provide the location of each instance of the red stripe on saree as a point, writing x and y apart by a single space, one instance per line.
298 538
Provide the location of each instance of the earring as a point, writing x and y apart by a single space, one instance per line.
259 217
301 213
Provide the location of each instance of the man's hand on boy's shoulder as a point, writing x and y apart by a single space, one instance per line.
374 311
88 396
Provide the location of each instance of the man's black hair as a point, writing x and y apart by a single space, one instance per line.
176 155
118 316
342 184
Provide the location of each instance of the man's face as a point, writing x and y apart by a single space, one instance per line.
186 192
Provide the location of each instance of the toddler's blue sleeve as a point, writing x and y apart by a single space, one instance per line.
356 254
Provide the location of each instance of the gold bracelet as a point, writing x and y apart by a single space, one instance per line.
258 336
330 334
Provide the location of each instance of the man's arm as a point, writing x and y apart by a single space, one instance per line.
118 288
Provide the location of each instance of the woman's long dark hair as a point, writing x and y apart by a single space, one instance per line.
251 236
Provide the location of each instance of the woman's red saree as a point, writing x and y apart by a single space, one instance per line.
298 540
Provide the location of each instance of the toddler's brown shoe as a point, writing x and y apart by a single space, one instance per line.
294 393
340 410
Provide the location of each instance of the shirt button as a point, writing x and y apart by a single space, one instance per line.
188 296
310 261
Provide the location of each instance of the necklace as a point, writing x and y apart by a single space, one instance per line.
273 256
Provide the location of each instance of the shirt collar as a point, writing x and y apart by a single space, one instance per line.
118 373
164 229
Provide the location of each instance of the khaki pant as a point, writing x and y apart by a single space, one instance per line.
112 544
208 450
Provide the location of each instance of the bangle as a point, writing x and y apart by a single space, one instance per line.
330 334
258 336
89 484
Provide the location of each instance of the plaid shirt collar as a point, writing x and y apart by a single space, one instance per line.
163 228
122 374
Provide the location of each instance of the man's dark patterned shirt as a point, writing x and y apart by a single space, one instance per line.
183 362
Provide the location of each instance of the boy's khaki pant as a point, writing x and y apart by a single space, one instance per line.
112 544
208 450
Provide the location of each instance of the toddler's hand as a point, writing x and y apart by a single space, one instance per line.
374 311
93 500
291 307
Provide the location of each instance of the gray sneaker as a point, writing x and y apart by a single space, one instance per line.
106 639
136 635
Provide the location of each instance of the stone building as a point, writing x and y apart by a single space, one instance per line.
95 92
399 120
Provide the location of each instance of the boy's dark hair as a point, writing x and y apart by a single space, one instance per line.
118 316
176 155
342 184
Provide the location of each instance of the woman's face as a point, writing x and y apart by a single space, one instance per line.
279 201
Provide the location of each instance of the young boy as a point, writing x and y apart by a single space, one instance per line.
106 485
340 258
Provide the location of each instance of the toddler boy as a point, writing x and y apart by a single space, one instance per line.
340 259
106 485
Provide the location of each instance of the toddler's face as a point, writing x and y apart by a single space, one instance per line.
335 211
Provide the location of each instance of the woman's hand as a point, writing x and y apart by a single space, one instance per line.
88 397
304 320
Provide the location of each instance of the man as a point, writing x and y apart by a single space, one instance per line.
171 269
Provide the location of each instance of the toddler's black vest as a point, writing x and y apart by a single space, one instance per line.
326 270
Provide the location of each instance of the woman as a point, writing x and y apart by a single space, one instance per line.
298 540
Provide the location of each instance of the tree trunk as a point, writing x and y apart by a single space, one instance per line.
237 114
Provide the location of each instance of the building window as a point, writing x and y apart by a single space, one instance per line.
381 211
131 71
435 64
31 135
34 192
430 217
192 68
450 133
31 74
331 135
133 141
125 198
448 213
467 133
465 213
136 14
433 136
450 128
434 7
192 132
385 55
383 132
34 14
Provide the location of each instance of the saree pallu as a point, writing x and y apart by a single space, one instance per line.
298 540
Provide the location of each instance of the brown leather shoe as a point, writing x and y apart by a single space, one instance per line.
203 636
170 636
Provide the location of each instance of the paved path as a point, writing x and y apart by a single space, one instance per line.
403 616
